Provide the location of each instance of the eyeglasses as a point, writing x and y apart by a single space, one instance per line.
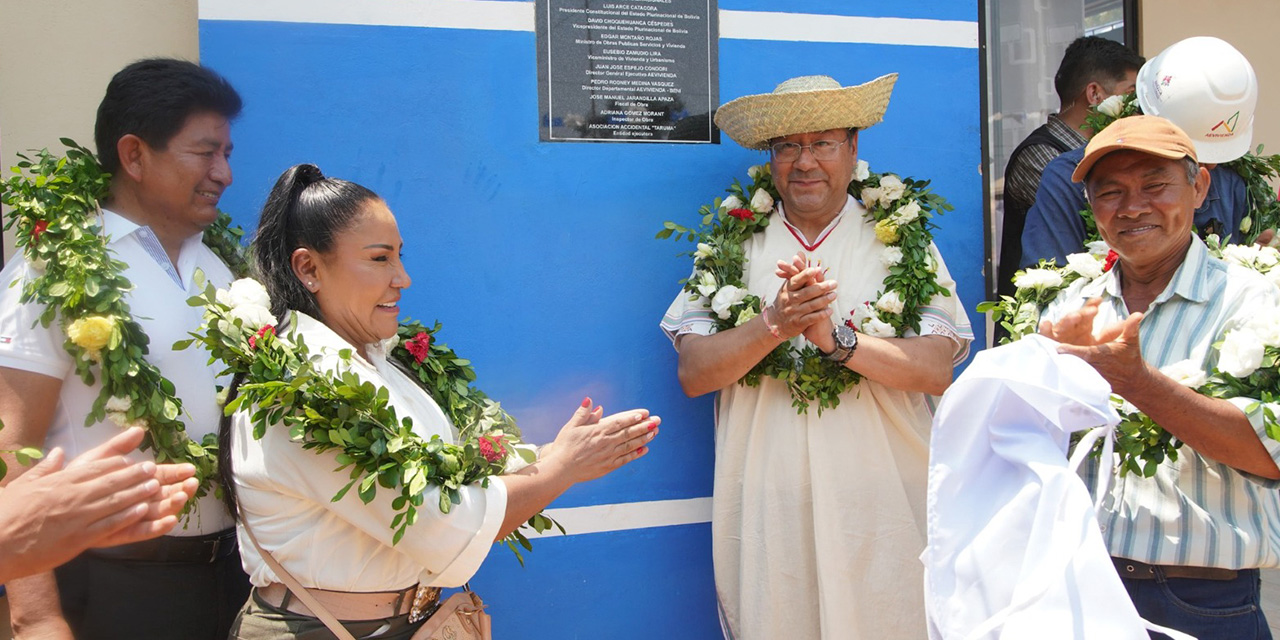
821 150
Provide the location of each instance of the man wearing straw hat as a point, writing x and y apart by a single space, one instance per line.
818 520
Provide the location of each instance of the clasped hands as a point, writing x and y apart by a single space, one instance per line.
1115 351
803 302
50 514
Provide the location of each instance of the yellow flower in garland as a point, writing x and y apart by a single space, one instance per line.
887 231
91 333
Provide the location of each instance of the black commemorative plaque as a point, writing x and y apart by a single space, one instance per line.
627 70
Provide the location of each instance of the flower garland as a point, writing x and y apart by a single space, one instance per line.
334 410
1248 362
56 218
1257 171
898 209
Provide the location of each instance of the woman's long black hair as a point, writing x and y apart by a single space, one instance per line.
304 209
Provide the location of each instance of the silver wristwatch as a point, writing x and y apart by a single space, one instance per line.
846 340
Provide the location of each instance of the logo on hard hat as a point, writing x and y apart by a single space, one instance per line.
1228 126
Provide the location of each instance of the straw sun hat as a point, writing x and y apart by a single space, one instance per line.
802 105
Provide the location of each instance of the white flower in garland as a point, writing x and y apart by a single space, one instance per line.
245 291
890 302
724 300
1038 279
893 188
1186 373
1241 353
761 201
877 328
1252 256
1265 325
1098 248
871 195
907 213
1085 265
1112 106
249 303
891 256
706 284
119 404
861 171
253 317
730 307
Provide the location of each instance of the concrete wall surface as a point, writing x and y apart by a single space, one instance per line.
57 57
1249 25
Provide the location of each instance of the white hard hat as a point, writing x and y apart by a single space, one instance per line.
1206 87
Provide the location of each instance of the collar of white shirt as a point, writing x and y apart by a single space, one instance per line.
117 227
849 204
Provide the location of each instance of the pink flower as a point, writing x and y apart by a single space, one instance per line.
1112 257
492 450
266 329
419 346
743 214
39 228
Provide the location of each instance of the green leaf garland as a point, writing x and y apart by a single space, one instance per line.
57 223
285 387
899 210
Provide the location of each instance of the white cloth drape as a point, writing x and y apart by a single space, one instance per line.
1014 548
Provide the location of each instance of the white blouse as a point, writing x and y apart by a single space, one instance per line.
286 494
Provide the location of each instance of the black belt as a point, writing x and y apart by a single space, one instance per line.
1135 570
204 549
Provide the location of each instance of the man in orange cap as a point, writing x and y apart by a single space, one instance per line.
1189 540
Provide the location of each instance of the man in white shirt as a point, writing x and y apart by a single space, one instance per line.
818 518
163 133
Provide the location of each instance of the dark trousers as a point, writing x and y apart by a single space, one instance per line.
107 599
1206 609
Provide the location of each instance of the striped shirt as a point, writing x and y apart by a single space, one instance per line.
1022 178
1194 511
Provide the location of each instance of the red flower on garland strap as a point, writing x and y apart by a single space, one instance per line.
491 447
39 228
743 214
1112 257
419 346
266 329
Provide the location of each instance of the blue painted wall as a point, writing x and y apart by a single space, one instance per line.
539 258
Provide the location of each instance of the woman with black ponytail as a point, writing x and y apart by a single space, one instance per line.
329 250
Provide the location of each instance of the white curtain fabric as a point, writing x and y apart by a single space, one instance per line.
1014 549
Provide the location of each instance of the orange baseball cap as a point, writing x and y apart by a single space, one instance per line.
1148 134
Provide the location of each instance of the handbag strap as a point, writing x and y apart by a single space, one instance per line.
296 587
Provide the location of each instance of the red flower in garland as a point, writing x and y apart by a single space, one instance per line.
1112 256
419 346
743 214
39 228
492 450
266 329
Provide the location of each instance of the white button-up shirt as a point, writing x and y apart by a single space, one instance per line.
286 496
159 304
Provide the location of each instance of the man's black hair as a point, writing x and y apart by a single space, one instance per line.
1093 59
152 99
